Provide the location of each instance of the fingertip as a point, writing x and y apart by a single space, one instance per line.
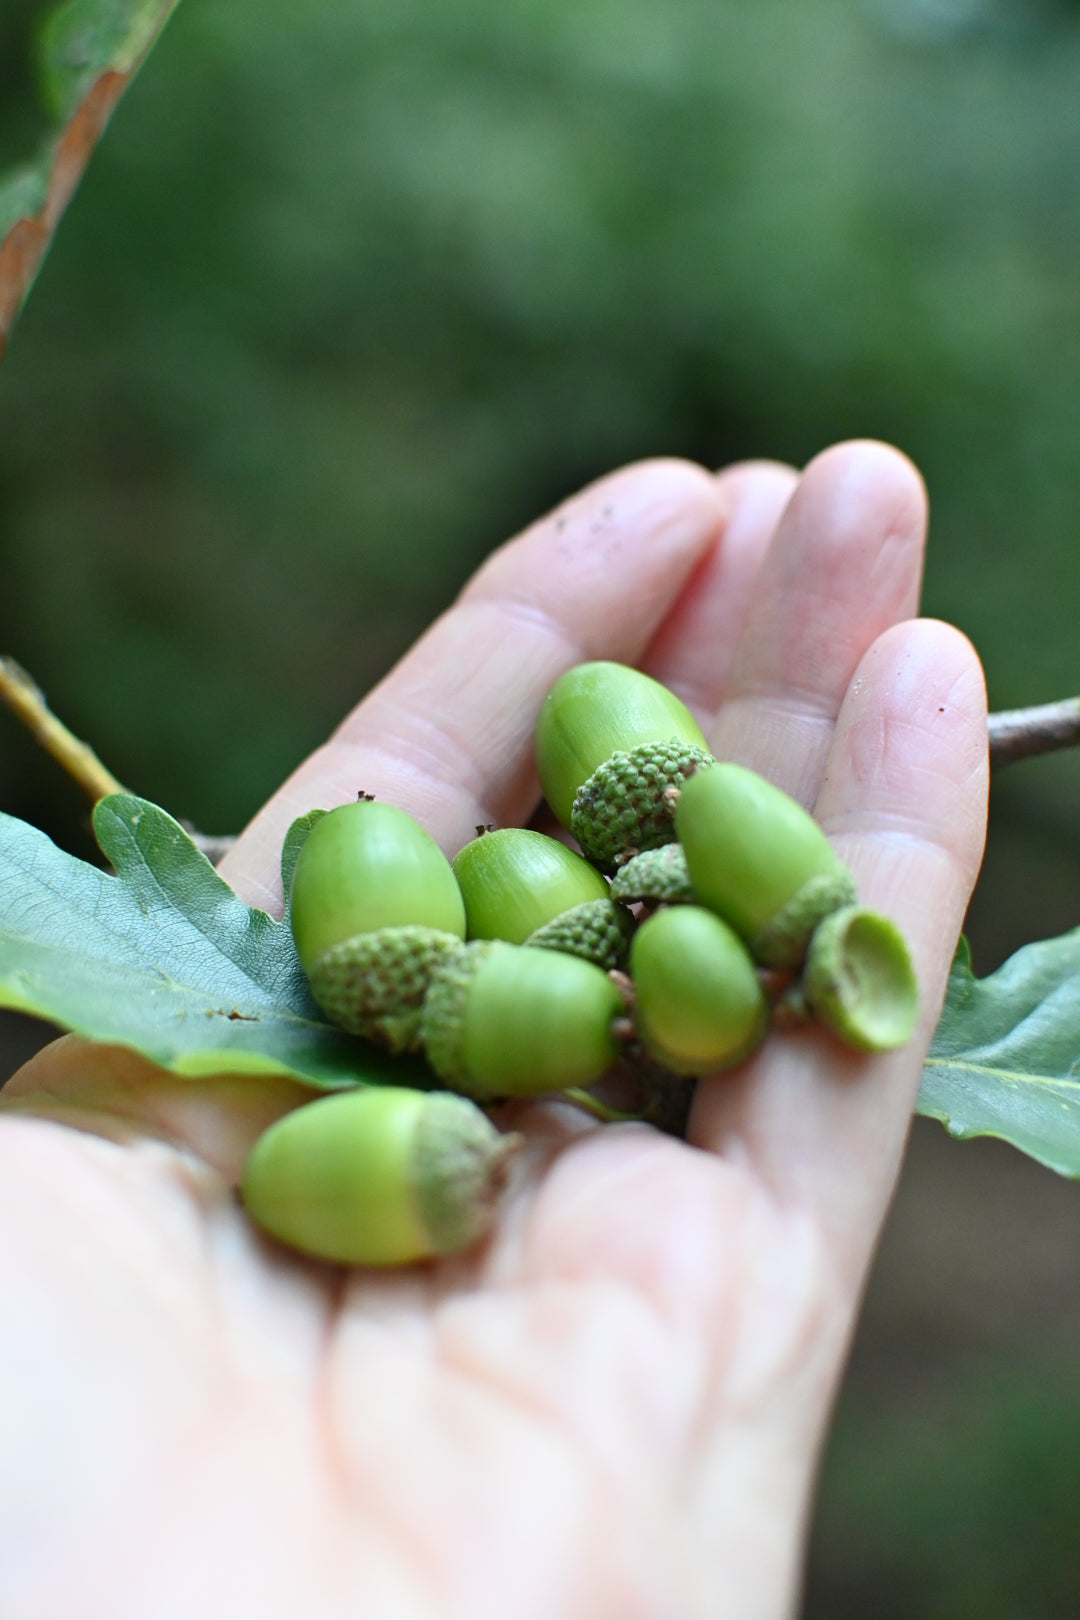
870 467
757 470
844 565
904 796
693 650
910 747
650 522
448 733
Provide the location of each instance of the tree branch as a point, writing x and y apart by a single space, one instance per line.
27 702
1013 734
1023 733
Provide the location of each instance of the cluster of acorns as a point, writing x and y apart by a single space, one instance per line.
706 902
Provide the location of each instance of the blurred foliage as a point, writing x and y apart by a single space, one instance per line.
351 291
964 1509
86 53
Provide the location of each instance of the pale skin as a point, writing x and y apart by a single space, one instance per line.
614 1410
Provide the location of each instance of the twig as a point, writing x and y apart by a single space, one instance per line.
27 701
1013 734
1023 733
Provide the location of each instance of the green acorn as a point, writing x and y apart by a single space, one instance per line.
503 1020
759 860
859 980
513 881
656 876
374 905
378 1176
600 710
598 930
698 1002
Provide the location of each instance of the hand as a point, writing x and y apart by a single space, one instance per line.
614 1411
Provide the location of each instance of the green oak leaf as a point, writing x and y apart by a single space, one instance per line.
1005 1058
294 843
162 957
83 39
88 53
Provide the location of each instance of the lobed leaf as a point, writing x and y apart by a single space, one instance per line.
294 843
90 50
162 957
1005 1058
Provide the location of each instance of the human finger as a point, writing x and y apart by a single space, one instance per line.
116 1093
448 733
904 802
845 564
693 650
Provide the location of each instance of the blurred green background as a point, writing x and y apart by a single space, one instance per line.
352 291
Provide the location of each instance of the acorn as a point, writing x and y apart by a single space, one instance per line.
502 1020
598 930
374 905
513 881
859 980
378 1176
610 744
759 860
698 1002
658 876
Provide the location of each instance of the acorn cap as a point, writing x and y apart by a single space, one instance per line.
859 980
658 875
595 710
378 1176
698 1003
503 1020
514 880
599 930
442 1016
751 851
460 1166
374 984
627 803
783 942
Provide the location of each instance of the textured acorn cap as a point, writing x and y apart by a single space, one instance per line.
658 875
442 1016
860 981
627 805
514 880
373 985
504 1020
592 712
600 931
460 1166
378 1176
783 942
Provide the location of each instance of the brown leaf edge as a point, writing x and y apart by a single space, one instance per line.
26 242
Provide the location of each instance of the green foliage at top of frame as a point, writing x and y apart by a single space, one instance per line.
82 39
1005 1058
162 957
87 53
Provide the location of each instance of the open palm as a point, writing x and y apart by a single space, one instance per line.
612 1412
